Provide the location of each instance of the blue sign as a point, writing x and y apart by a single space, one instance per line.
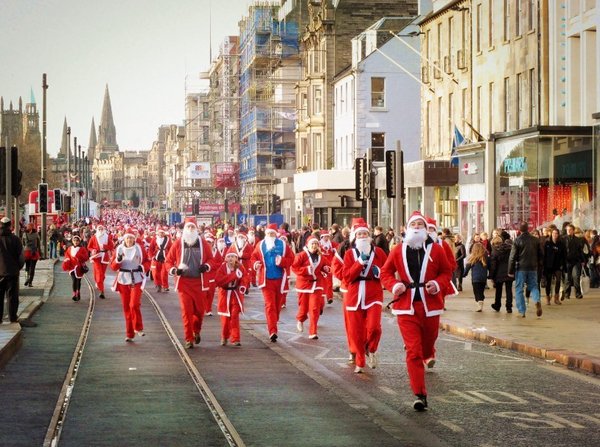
262 219
174 218
515 165
242 219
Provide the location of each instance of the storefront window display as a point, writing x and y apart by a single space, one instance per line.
446 206
545 179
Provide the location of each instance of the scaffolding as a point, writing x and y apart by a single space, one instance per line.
269 69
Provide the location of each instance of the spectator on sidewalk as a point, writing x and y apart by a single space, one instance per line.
11 262
460 254
336 234
501 247
575 258
523 264
53 239
380 240
540 273
31 249
554 264
478 261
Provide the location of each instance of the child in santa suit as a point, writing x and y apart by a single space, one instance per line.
159 247
232 281
131 263
364 299
424 274
75 258
311 270
100 247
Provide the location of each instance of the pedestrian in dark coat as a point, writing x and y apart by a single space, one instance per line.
460 253
478 262
380 240
501 247
555 258
31 251
11 263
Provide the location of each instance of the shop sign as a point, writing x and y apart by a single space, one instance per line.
515 165
471 170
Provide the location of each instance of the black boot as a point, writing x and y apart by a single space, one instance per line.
420 404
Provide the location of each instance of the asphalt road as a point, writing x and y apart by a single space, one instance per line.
297 392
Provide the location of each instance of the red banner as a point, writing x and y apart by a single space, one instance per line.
227 175
207 207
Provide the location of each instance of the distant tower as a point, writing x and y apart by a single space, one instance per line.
107 134
93 142
62 153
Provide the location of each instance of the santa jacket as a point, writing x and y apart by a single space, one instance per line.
258 264
131 269
233 284
435 268
75 259
309 275
362 278
244 255
174 259
100 248
158 252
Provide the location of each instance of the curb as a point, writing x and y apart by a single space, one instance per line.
571 359
12 346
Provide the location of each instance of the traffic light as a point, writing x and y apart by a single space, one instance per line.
16 174
2 171
66 203
276 204
343 201
43 197
360 171
57 200
390 174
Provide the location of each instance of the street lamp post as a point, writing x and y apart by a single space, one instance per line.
43 164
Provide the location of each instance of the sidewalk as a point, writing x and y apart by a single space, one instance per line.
30 300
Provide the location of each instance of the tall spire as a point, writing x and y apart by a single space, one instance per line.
93 142
63 145
31 97
107 134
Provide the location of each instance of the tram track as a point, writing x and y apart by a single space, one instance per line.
53 433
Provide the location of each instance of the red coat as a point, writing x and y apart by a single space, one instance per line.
244 255
309 276
101 252
75 262
218 259
436 269
206 257
258 265
362 279
234 280
154 249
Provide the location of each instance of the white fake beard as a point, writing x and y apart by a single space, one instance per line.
100 233
363 245
251 239
415 237
326 245
220 246
240 243
269 242
190 237
433 235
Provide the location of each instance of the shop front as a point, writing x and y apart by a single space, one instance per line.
545 176
471 190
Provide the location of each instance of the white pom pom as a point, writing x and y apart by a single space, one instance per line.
182 266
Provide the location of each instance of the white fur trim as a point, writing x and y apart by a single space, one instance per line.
396 287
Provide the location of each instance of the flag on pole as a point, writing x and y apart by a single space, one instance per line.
457 140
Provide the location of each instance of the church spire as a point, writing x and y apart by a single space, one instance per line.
107 134
63 145
93 142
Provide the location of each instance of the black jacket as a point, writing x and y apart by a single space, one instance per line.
574 249
11 253
381 241
554 256
499 262
525 255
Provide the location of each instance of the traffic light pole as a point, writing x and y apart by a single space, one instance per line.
43 166
9 181
399 200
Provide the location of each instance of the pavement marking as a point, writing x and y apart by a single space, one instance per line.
452 426
359 406
544 399
388 390
468 346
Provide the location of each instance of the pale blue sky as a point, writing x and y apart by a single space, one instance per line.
143 49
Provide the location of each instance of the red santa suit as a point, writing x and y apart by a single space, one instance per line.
192 284
74 264
157 251
328 249
432 230
417 310
270 265
100 247
364 299
337 269
217 261
311 271
232 285
131 263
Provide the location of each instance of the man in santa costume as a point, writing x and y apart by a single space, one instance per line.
424 274
232 281
243 249
364 299
209 297
189 259
269 260
311 270
100 247
337 268
157 251
432 231
328 250
131 262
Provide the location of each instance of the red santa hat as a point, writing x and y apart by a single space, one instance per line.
208 236
271 227
325 234
416 215
231 253
431 223
311 238
160 230
358 224
190 219
243 233
129 232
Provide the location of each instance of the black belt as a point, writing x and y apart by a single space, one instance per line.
131 272
414 285
362 279
229 288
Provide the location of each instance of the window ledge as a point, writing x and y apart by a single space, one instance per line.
491 47
378 109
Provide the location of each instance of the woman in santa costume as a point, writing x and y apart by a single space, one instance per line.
328 250
100 247
364 299
270 259
424 273
75 258
131 263
157 251
311 270
232 281
189 259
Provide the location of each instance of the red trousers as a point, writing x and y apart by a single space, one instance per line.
99 274
191 300
309 307
209 297
273 299
364 331
419 333
230 326
328 287
351 346
131 298
160 275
